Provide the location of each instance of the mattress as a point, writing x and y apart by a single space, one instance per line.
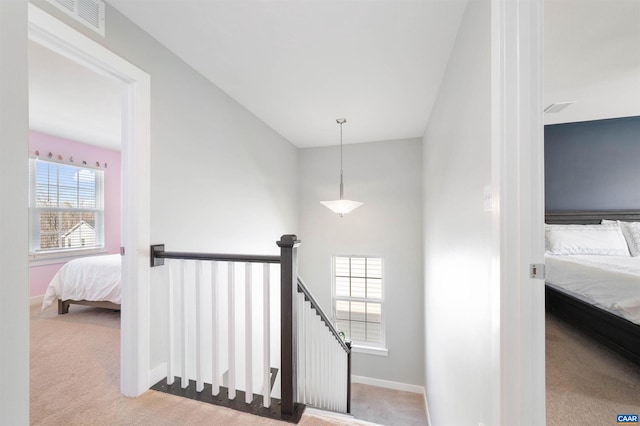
611 283
95 278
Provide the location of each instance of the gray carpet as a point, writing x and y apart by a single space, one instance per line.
587 383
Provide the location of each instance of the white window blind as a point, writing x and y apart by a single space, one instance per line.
358 299
66 207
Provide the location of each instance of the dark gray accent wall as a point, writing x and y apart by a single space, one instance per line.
593 165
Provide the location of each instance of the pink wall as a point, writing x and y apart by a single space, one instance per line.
39 276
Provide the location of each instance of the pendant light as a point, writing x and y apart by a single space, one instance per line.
341 206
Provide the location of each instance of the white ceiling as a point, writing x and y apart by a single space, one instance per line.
299 65
592 57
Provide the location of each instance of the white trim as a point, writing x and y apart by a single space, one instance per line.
36 300
342 418
518 385
158 373
426 409
136 129
388 384
62 256
369 350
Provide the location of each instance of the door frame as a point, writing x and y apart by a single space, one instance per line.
518 229
135 158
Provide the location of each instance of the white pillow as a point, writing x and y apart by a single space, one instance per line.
606 239
631 232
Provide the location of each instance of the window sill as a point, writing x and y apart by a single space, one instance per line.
52 258
369 350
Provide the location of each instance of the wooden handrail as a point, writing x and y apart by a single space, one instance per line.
302 288
158 254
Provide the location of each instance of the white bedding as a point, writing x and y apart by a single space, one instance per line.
609 282
95 278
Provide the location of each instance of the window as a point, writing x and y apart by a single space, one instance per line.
358 299
66 207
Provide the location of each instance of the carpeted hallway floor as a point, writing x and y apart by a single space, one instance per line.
75 381
587 384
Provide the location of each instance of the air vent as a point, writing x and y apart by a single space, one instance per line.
88 12
557 107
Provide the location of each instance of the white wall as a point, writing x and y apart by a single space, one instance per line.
387 177
221 180
457 232
14 280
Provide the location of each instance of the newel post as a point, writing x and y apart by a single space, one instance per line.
288 286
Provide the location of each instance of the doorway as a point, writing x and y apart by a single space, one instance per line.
592 116
61 39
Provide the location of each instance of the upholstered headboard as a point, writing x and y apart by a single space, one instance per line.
589 217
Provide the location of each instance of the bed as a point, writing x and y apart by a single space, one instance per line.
598 294
92 281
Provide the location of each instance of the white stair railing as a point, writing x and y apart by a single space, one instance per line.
220 332
208 343
323 358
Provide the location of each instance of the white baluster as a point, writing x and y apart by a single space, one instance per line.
316 360
332 380
298 331
325 367
247 334
199 375
339 376
300 352
215 362
330 376
309 355
232 332
343 382
318 366
266 392
184 381
170 310
339 381
312 357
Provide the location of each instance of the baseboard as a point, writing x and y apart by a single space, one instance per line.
36 300
336 418
158 373
426 408
388 384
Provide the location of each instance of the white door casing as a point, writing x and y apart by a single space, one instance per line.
518 234
135 328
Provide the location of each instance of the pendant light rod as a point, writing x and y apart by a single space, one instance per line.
341 206
341 121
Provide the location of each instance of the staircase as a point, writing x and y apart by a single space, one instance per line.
225 321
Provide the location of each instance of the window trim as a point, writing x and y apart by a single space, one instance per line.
39 256
370 348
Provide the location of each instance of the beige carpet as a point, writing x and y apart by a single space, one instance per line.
75 380
387 406
587 384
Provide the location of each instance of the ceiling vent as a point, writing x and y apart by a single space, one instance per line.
88 12
554 108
